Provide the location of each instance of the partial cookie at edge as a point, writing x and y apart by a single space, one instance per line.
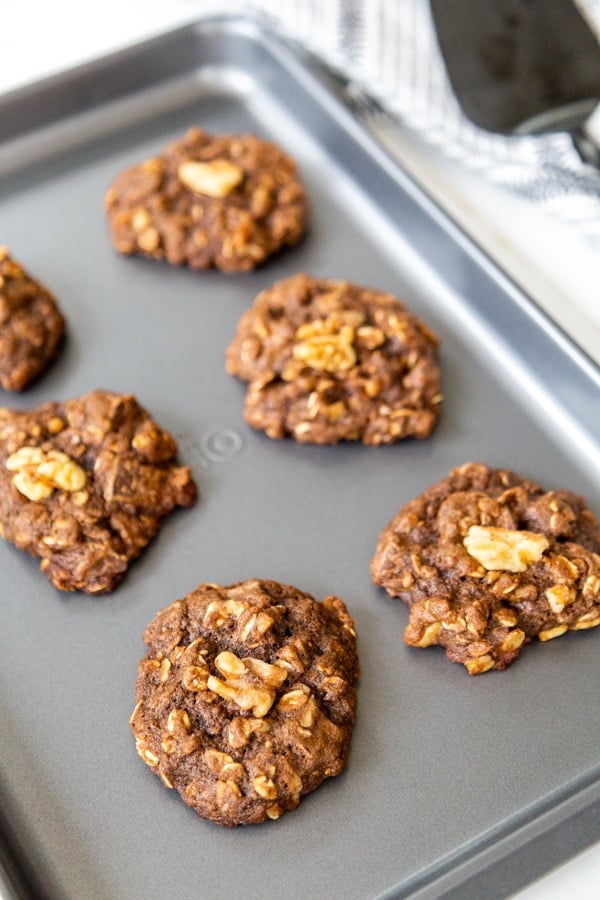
31 325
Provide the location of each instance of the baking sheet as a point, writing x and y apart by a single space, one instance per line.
453 782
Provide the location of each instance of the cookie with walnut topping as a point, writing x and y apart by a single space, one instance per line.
328 361
246 698
226 201
488 560
31 325
84 485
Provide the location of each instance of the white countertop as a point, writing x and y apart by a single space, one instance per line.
557 267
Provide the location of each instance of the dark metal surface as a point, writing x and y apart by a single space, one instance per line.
512 60
450 778
524 66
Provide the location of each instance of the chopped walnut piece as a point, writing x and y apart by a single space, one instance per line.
480 664
219 762
326 345
559 596
195 678
257 624
249 683
38 473
264 787
289 658
32 488
503 548
371 337
294 700
227 793
179 720
218 612
241 730
427 637
215 178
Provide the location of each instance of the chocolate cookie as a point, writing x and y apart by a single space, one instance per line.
31 325
84 485
247 698
328 361
228 202
486 561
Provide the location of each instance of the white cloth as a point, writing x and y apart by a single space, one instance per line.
389 49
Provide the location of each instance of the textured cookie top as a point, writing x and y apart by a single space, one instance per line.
228 202
247 698
487 560
84 485
31 325
328 361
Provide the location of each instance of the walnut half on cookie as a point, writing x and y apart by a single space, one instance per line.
246 698
84 485
328 361
225 201
486 561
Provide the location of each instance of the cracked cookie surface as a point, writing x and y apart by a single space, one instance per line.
227 201
488 560
84 485
246 698
329 361
31 325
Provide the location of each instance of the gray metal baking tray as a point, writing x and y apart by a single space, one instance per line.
456 786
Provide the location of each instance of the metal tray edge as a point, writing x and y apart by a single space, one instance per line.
15 879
